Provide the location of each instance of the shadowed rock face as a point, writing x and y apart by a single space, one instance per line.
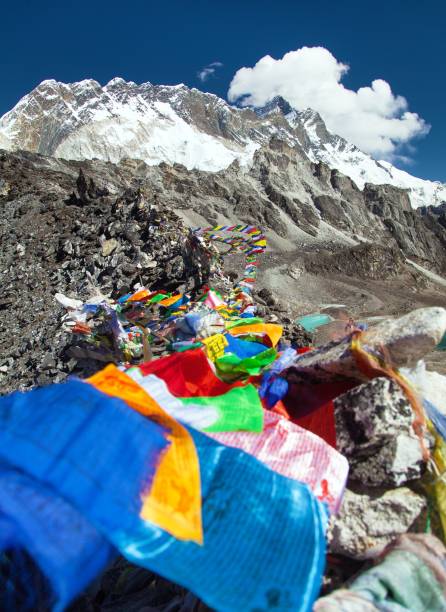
375 433
362 261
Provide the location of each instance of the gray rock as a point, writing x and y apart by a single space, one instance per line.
267 296
4 187
374 431
295 335
146 261
48 362
405 340
68 247
367 523
296 270
108 246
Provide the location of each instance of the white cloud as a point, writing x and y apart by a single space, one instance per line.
372 118
205 73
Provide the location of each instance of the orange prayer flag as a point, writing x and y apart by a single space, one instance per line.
140 295
170 300
272 330
174 500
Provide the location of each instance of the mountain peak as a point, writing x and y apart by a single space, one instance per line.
277 105
47 83
119 82
310 116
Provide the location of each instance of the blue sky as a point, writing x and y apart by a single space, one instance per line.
402 42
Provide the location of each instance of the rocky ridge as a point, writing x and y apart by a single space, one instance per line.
300 202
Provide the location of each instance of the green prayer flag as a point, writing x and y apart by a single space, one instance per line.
231 367
159 298
187 347
240 409
239 322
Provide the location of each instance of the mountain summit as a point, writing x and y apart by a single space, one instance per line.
176 124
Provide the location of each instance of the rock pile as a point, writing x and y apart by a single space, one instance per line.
376 431
88 243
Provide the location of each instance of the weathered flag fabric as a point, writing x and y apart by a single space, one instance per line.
296 453
100 456
69 551
274 537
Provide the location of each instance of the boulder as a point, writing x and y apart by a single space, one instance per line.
374 431
404 340
366 523
267 296
410 575
296 335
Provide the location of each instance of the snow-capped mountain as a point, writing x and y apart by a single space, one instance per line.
176 124
337 153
